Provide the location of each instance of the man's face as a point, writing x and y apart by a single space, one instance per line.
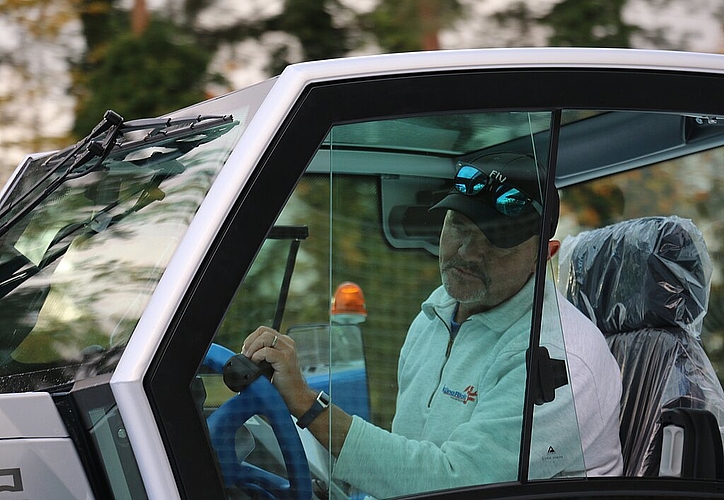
476 273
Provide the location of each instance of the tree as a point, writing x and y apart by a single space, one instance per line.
573 23
312 23
141 65
613 23
408 25
590 23
38 39
144 75
135 65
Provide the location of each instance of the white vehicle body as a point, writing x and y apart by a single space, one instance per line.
34 437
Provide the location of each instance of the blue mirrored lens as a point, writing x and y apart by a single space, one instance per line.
506 199
468 172
469 180
510 201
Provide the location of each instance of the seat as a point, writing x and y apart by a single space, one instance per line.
645 283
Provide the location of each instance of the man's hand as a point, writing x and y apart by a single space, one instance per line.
266 344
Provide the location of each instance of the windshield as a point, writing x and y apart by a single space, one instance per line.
83 243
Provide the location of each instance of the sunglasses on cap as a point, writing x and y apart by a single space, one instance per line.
506 198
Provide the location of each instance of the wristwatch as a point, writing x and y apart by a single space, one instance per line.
313 412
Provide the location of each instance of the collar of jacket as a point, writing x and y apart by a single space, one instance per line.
499 318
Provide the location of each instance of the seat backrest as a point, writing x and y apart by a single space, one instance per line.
645 283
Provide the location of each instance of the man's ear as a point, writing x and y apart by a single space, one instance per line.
553 247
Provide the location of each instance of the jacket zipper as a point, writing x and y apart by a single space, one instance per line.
447 356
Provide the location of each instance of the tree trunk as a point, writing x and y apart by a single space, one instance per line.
430 23
139 17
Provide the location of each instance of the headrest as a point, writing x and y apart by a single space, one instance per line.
652 272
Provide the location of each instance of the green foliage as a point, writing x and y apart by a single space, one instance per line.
100 21
574 23
145 75
404 25
165 68
311 22
589 23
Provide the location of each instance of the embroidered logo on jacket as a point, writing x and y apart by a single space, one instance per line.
466 396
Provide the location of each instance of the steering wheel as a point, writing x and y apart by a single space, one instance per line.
259 398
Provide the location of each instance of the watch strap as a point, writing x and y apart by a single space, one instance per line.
319 405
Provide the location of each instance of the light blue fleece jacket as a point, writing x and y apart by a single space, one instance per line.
460 403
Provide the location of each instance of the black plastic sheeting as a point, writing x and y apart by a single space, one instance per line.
645 283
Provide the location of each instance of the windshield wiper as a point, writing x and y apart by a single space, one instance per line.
89 153
82 152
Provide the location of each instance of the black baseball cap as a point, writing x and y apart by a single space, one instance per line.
501 193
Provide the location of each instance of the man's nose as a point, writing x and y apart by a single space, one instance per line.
473 246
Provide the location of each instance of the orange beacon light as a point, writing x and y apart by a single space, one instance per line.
348 304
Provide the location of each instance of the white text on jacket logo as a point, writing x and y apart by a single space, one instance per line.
466 396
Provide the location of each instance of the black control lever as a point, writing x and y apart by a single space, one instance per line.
240 371
551 375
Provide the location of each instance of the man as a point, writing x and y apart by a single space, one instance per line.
462 368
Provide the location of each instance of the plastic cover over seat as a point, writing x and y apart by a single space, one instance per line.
645 283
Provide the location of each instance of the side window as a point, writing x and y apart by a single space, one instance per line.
91 409
403 268
641 257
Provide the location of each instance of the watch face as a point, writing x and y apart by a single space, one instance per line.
323 399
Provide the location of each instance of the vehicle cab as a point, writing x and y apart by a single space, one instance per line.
134 263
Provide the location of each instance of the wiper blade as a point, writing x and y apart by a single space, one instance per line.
89 153
178 130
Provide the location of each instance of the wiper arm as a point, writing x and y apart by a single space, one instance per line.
83 152
103 139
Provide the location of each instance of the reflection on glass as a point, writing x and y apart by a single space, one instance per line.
79 264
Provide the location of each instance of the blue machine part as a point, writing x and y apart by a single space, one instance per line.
259 398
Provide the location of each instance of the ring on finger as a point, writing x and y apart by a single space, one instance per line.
274 342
